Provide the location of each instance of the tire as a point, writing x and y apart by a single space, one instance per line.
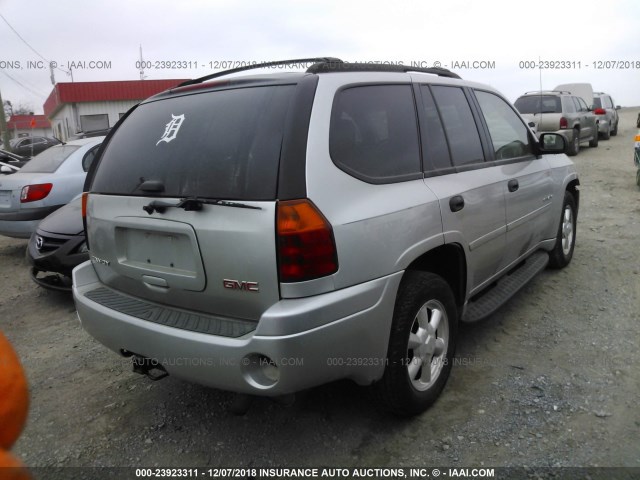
562 252
594 143
574 146
638 177
407 388
606 135
614 132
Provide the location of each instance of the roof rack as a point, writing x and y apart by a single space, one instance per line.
340 66
327 65
258 65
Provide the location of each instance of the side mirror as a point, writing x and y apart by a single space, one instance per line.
618 107
552 143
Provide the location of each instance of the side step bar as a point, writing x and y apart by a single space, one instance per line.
506 287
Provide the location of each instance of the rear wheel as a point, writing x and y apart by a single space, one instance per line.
421 345
574 146
562 253
594 142
614 132
606 135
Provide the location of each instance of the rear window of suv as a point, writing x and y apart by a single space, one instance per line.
49 160
220 144
539 104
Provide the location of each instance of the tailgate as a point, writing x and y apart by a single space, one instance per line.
548 122
219 260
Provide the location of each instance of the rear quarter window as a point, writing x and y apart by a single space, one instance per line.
374 133
220 144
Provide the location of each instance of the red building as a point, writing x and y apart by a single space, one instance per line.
23 125
89 106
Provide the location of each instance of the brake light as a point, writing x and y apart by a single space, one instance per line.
564 123
600 111
306 247
32 193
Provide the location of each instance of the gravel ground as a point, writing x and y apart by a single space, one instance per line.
551 379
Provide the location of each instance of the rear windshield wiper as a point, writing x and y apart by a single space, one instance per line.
193 204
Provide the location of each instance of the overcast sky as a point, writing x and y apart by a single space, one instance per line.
587 41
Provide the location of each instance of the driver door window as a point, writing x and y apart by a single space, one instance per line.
508 133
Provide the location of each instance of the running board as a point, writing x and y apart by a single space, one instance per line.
505 288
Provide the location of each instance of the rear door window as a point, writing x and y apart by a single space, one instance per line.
220 144
435 142
459 125
374 133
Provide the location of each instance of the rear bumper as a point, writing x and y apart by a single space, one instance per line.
23 223
346 337
18 229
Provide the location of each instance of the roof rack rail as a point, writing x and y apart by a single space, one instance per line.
259 65
335 66
327 65
547 91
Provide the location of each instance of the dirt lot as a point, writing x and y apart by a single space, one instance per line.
552 379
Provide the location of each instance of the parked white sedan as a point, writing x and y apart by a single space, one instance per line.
46 183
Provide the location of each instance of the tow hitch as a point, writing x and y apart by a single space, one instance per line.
148 367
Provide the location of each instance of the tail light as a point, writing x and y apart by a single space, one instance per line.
33 193
564 123
306 247
84 198
600 111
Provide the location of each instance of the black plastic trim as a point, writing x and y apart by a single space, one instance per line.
293 157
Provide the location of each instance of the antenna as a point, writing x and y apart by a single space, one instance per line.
141 64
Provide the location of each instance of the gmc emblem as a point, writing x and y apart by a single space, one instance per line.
240 285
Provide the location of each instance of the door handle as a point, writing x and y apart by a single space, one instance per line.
456 203
513 185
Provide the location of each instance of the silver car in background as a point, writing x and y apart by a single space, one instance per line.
607 111
45 183
563 113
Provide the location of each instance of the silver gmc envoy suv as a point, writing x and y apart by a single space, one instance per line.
264 234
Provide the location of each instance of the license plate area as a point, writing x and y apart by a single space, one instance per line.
161 250
157 251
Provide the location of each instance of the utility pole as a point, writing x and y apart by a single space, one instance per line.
3 128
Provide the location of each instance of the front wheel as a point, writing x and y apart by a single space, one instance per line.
562 252
421 345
